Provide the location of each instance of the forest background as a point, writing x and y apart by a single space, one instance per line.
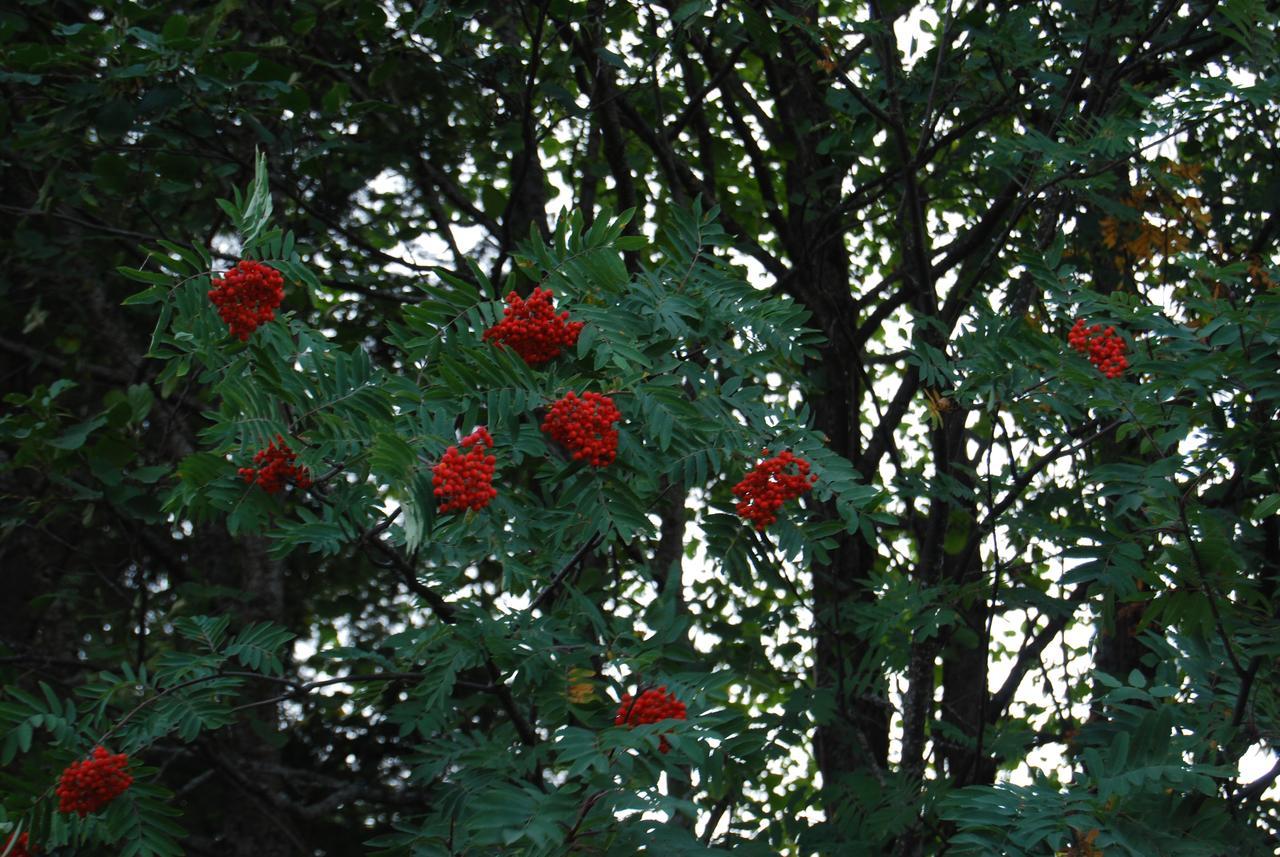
1028 607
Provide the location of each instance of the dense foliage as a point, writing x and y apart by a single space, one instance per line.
581 428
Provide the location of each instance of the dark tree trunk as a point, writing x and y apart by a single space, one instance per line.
855 741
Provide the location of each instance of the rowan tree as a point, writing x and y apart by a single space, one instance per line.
562 427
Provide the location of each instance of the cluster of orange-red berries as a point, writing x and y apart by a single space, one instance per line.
532 329
771 483
10 848
651 706
464 480
584 426
1105 348
247 296
88 785
276 465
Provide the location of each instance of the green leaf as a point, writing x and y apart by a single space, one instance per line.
258 647
1266 507
76 436
155 294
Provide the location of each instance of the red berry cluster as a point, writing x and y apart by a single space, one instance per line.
465 481
584 426
651 706
89 785
19 848
1105 348
276 467
247 296
532 328
771 483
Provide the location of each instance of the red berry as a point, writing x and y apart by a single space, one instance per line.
771 483
652 706
88 785
21 848
532 328
465 480
584 426
1105 348
247 296
276 467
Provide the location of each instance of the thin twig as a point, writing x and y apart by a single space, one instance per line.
554 584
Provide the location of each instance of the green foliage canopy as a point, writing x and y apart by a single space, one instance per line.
836 237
